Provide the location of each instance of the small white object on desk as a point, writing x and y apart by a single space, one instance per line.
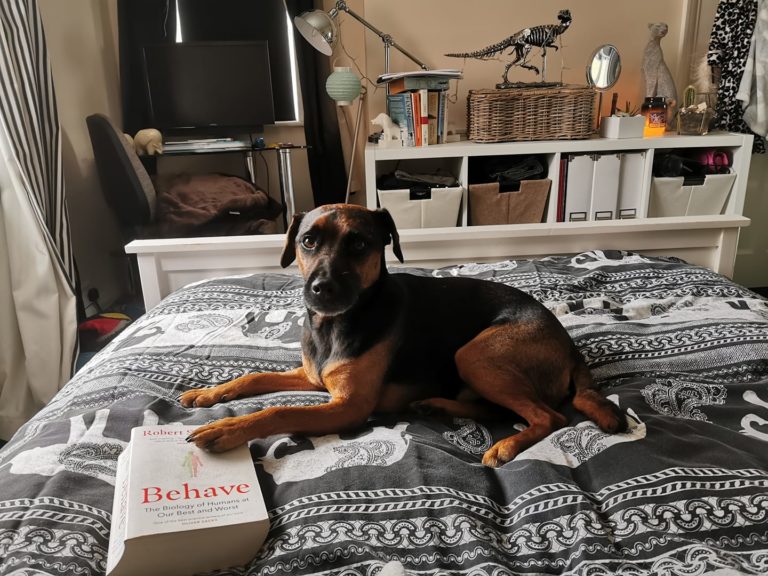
622 126
148 141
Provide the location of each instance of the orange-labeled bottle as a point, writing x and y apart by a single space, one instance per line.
654 109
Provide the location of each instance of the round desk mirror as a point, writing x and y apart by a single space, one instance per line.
604 67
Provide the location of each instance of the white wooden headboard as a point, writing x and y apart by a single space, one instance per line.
168 264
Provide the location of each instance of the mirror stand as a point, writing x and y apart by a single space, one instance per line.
603 72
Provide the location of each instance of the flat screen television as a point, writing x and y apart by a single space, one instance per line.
209 87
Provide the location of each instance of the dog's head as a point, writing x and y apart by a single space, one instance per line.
339 249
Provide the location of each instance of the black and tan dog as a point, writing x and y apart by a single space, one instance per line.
380 342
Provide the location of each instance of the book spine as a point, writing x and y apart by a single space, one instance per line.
409 119
405 84
424 120
119 531
416 105
399 108
441 123
561 188
433 113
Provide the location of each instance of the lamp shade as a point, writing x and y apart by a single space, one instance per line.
343 85
319 29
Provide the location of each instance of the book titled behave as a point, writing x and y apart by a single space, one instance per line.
179 510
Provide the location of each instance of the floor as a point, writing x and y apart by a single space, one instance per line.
101 327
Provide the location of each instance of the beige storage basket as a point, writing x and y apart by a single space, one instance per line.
487 205
670 197
439 211
512 114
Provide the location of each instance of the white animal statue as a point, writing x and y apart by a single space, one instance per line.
658 78
391 130
148 141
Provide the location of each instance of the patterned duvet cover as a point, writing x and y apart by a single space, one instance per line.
683 351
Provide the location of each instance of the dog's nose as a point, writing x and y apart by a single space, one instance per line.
322 287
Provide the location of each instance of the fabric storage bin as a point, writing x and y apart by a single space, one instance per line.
488 205
671 197
436 208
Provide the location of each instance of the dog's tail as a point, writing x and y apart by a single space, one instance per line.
589 401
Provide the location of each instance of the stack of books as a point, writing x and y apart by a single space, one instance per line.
416 102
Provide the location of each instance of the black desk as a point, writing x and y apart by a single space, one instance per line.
284 167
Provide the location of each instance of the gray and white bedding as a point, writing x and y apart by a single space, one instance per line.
683 351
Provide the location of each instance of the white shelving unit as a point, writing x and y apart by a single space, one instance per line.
709 240
455 157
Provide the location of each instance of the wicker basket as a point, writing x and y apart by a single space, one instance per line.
557 113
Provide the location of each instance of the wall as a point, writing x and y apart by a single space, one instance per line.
465 27
82 48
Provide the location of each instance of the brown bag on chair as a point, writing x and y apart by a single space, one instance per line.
487 205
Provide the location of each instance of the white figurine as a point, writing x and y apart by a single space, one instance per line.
391 135
148 141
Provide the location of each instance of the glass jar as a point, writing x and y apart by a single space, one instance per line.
655 111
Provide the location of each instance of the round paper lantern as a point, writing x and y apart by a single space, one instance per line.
343 85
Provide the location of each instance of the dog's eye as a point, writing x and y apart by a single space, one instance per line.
358 245
309 242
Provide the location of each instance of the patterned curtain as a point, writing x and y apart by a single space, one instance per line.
37 268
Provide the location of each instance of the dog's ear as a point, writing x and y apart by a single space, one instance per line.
390 231
289 250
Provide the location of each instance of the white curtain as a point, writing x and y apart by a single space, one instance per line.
38 325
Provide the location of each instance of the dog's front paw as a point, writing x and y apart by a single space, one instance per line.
501 452
219 436
203 398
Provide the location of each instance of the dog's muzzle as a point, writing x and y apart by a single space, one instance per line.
331 294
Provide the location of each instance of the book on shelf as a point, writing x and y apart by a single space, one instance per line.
442 121
179 510
417 83
400 110
433 103
445 73
424 116
416 106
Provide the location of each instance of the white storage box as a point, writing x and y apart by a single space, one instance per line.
622 126
669 197
440 210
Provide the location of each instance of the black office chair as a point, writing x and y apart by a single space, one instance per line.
125 183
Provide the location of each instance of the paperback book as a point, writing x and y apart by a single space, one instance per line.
179 510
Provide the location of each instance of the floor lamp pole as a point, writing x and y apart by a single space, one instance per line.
354 145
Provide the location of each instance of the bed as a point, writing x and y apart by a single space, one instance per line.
680 348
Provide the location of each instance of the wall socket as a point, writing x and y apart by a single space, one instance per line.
93 295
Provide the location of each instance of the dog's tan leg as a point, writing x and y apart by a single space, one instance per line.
336 416
355 387
249 385
542 421
499 364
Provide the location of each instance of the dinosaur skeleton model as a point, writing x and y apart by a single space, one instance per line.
522 42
